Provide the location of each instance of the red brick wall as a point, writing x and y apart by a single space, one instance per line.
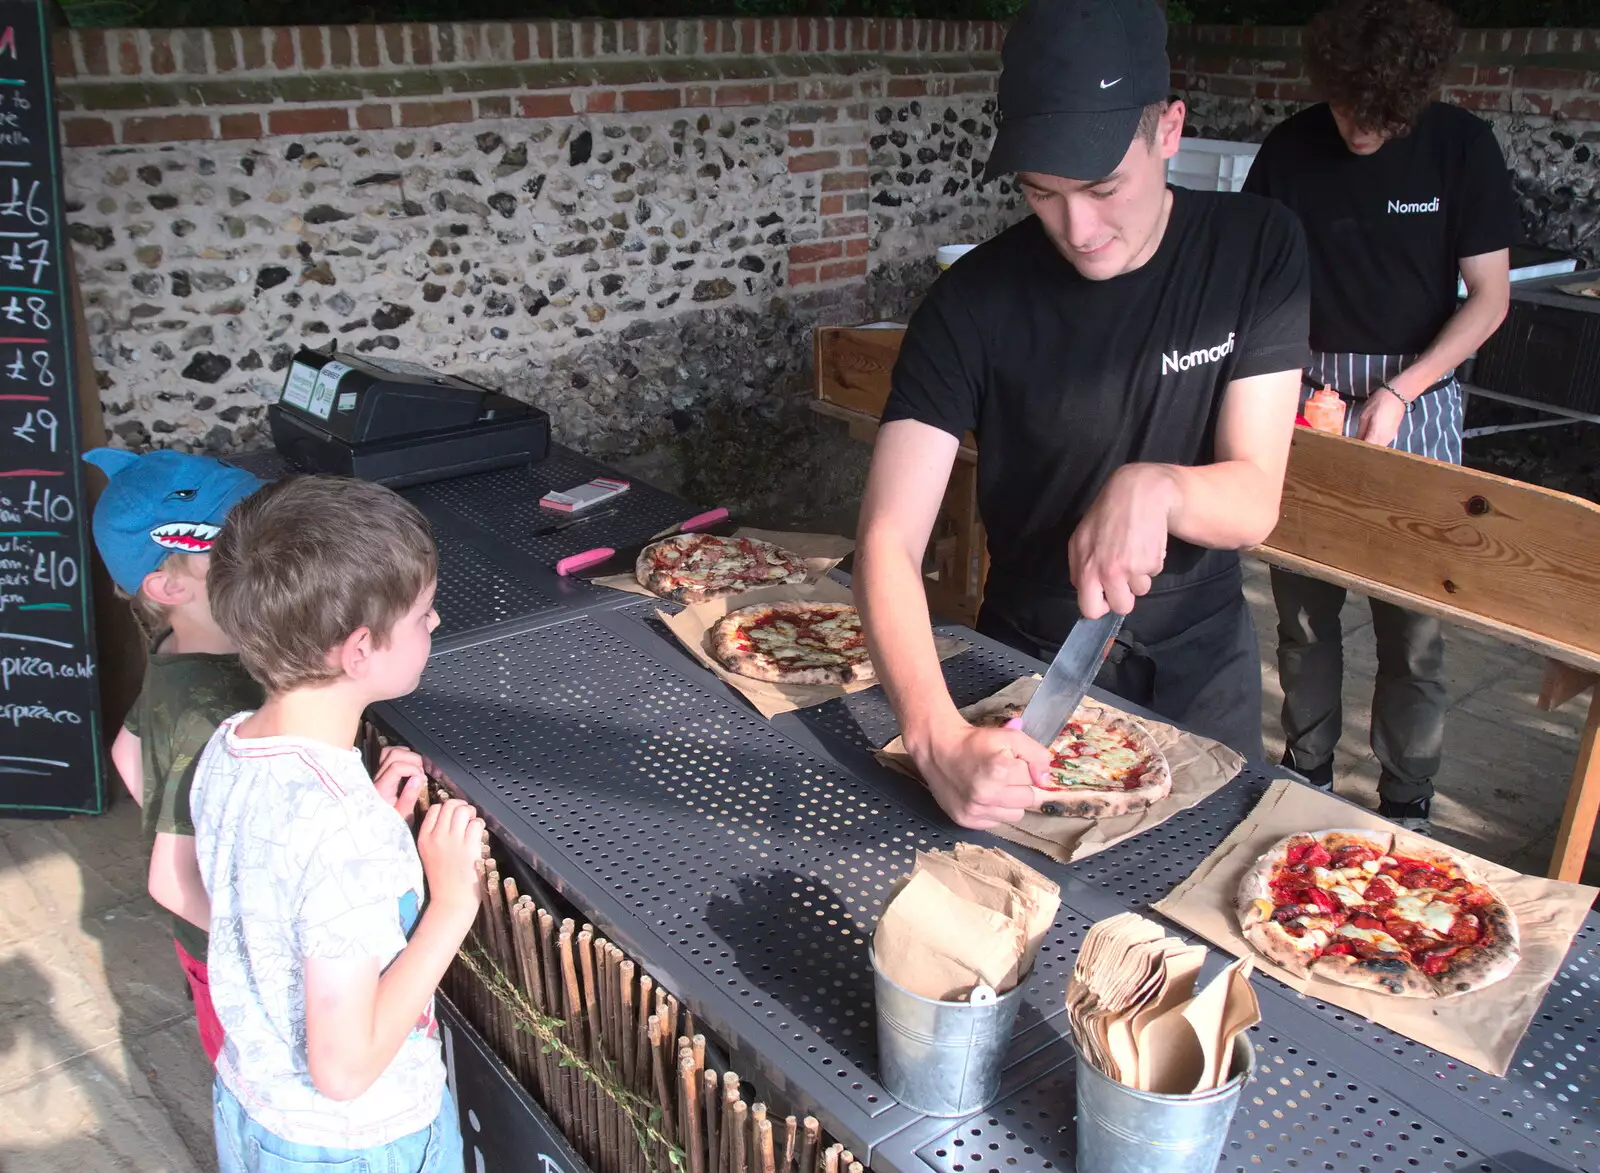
1549 72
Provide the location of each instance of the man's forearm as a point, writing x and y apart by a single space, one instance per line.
1468 328
894 609
1230 505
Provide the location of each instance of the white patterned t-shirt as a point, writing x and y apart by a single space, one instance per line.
303 858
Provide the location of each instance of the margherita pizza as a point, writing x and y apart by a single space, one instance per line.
693 568
1367 909
1102 765
793 643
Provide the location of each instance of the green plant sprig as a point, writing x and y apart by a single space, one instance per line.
644 1115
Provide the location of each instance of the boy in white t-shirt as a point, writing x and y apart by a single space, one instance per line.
322 971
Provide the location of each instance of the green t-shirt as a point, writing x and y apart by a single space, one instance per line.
184 699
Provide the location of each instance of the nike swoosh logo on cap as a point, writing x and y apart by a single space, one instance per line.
1106 85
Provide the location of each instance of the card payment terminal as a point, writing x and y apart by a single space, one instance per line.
397 423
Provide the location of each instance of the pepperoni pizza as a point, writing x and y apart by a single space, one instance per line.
1383 913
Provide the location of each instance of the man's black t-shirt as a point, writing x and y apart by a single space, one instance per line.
1386 230
1064 380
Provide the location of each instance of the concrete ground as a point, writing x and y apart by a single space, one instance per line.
101 1070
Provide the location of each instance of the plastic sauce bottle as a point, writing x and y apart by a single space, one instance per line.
1325 411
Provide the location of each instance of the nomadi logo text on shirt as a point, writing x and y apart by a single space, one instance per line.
1400 207
1174 362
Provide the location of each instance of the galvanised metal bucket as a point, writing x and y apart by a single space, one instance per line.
941 1058
1123 1130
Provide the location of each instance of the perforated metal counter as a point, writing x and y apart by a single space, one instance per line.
744 862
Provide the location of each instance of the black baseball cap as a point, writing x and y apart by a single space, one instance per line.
1075 76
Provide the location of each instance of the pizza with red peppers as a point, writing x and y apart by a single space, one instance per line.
1101 765
694 568
793 643
1383 913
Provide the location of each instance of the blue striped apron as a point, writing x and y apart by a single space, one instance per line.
1432 425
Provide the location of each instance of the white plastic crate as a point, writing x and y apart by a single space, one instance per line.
1211 164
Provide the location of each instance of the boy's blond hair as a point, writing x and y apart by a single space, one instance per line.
150 615
307 561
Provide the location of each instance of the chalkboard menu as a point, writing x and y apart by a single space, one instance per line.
50 733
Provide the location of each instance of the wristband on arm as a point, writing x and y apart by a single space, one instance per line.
1406 403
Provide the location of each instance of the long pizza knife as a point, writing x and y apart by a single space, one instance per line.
1068 678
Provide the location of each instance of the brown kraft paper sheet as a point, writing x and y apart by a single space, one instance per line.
1482 1028
822 553
1200 767
693 626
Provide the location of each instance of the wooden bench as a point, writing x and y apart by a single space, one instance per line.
1512 560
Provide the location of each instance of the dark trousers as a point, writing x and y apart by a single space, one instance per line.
1408 701
1188 654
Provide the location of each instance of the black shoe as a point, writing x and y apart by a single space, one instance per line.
1413 816
1319 777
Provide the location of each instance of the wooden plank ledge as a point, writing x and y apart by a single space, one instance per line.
1568 654
1468 542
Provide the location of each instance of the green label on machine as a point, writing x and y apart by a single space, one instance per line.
298 386
327 386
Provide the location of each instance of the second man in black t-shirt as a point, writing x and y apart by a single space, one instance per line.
1397 194
1129 361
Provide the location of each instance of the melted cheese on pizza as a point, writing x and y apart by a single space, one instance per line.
1372 936
796 642
1093 756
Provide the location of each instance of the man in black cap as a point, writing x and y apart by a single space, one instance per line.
1129 359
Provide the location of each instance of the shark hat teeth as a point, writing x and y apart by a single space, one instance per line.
185 537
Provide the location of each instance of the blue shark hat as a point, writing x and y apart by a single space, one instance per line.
158 504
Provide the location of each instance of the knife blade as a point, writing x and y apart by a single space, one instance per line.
605 560
1068 677
557 527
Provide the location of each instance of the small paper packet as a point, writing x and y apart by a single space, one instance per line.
972 916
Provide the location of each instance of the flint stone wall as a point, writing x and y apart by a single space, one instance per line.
644 255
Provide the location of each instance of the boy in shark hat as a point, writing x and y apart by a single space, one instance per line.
154 525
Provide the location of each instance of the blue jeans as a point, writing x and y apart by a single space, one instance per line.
243 1146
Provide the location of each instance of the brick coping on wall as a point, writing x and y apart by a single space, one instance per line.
123 86
1550 72
127 86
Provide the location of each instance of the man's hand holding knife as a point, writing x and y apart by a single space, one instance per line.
1121 543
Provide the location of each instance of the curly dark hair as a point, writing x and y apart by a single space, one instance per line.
1380 61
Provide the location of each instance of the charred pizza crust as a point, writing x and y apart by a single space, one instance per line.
1399 917
1128 788
793 642
695 568
1396 976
